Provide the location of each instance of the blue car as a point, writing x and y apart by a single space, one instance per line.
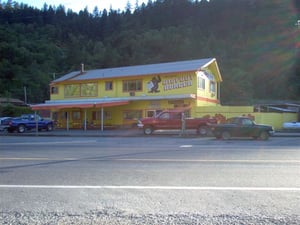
4 123
29 122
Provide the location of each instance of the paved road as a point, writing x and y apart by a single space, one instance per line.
152 180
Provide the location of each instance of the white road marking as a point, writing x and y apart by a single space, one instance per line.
285 189
155 160
186 146
50 143
38 159
214 160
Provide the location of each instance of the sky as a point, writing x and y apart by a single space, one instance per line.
77 5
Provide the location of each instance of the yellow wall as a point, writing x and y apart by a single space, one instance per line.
225 109
275 119
180 83
224 112
142 106
205 104
116 113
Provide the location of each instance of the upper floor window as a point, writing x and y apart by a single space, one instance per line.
132 85
72 90
108 85
201 83
89 89
206 76
212 87
81 90
54 90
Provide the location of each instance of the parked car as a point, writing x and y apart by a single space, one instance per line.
241 127
173 120
4 123
291 125
28 122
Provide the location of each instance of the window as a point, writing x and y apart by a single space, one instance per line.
54 90
177 116
132 85
88 90
165 116
96 115
72 90
201 83
76 115
132 114
150 113
107 115
247 122
108 85
55 116
212 87
81 90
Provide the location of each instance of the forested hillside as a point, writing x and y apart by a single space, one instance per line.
254 42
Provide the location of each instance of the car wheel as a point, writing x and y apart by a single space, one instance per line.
202 130
264 135
21 128
49 127
148 130
10 130
226 135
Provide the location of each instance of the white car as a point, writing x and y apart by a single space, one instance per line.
291 125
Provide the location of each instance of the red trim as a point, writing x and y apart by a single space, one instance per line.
208 99
108 104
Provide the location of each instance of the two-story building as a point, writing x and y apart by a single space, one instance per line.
120 96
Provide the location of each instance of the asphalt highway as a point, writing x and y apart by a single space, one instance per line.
149 180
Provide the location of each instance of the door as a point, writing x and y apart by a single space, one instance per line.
163 121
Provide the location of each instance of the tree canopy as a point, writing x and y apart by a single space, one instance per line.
255 43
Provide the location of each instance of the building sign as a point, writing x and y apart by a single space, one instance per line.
152 85
178 82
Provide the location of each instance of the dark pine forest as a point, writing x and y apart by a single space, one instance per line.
256 44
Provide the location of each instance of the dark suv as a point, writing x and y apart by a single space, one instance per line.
241 127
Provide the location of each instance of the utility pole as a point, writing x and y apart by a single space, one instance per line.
25 95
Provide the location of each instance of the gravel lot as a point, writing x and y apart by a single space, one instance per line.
114 217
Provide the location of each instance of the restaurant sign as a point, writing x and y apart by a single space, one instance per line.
177 82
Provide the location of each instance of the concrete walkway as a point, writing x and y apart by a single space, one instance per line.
133 132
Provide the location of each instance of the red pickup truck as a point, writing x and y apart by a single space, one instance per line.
175 120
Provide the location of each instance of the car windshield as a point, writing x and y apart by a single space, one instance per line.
232 120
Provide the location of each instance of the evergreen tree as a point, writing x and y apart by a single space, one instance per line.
253 42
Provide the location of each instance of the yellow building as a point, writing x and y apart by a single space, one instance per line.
119 96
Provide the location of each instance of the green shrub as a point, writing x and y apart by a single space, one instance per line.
14 111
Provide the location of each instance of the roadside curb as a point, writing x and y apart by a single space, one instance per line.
124 133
